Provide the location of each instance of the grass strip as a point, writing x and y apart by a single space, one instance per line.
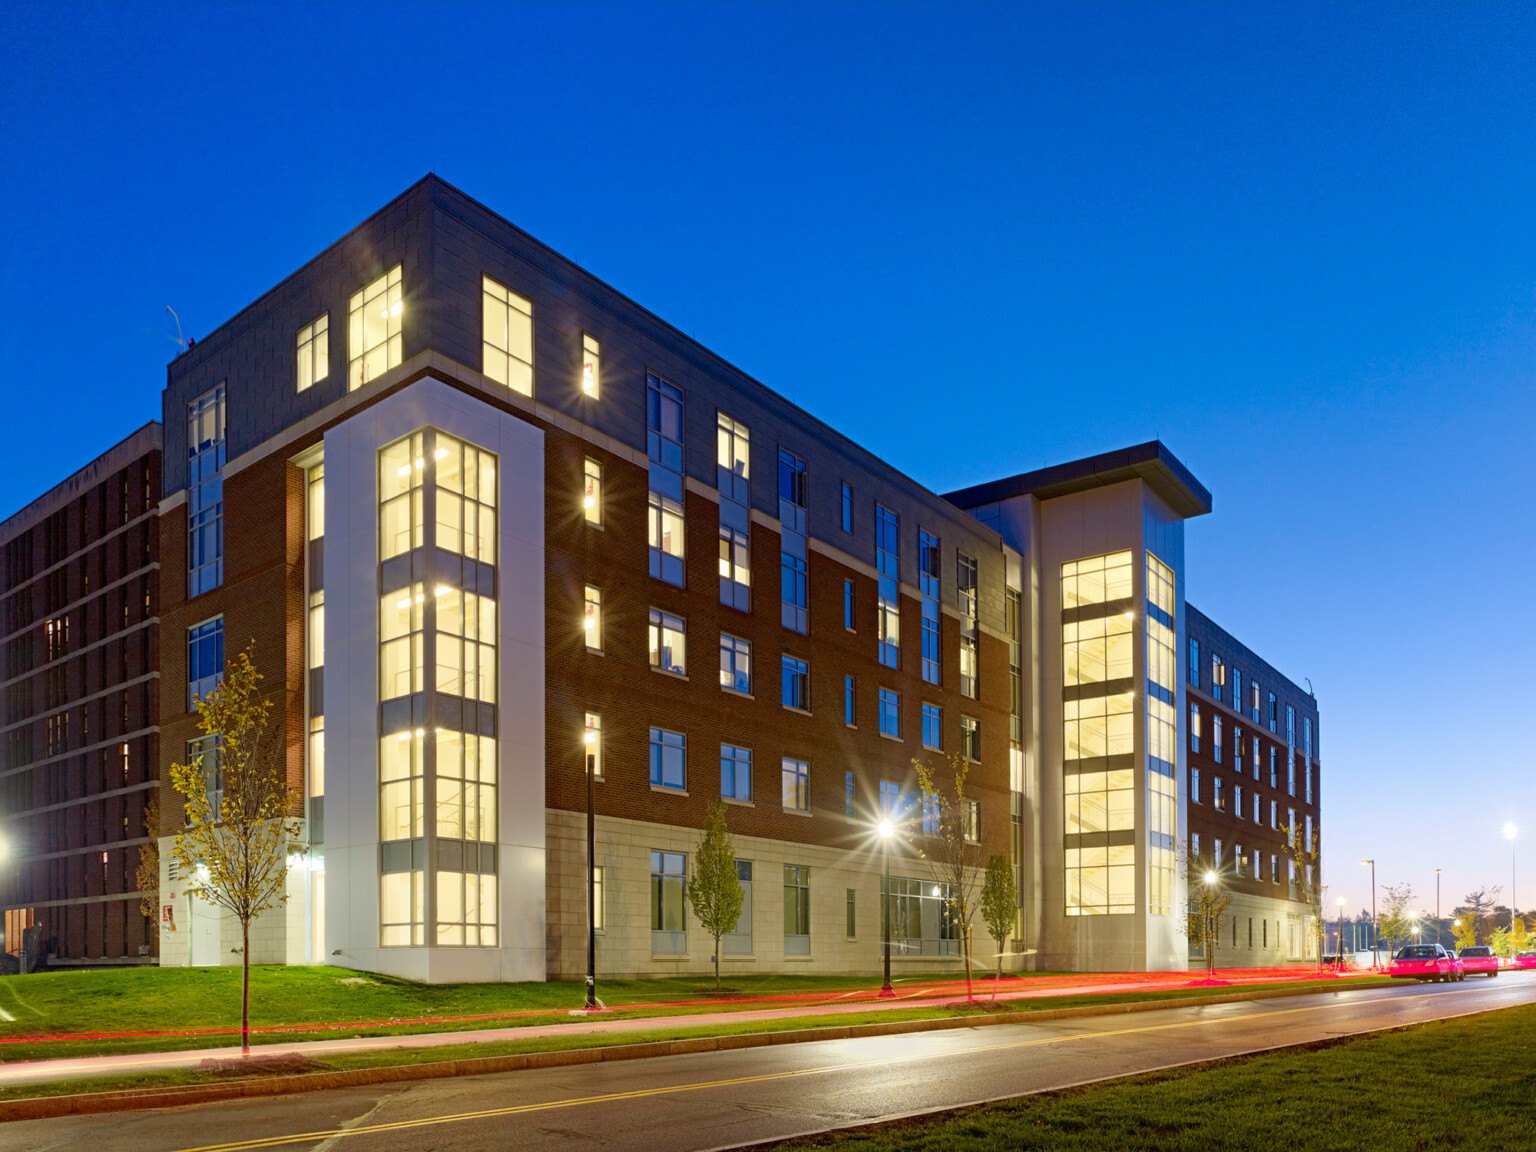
1463 1083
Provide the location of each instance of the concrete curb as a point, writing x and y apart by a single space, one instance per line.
44 1107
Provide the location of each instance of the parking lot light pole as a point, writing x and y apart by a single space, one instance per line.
1375 935
1341 931
1437 906
1510 832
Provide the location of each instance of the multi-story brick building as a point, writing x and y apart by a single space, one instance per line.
1254 776
479 516
79 743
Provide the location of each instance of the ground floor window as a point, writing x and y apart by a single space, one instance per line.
668 875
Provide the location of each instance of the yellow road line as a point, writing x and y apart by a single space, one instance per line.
642 1093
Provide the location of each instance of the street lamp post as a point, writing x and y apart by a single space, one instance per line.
886 830
1341 931
1510 832
589 738
1210 930
1437 906
1375 936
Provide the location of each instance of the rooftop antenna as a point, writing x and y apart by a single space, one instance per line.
1310 693
181 341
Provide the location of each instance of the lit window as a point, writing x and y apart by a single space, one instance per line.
735 772
207 753
970 821
314 352
466 498
797 909
667 643
592 491
205 658
402 808
890 713
592 741
668 872
891 807
735 569
402 472
402 909
735 664
591 365
466 786
933 727
400 642
970 738
1194 785
665 535
796 789
466 644
966 596
592 618
315 631
888 624
374 329
1194 727
669 759
466 909
508 352
796 684
732 451
315 503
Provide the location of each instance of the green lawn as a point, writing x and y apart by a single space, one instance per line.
1457 1084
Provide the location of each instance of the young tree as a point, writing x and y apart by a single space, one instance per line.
1205 901
951 845
1464 932
1397 914
1519 936
240 830
147 876
1478 910
1307 861
715 892
999 906
1498 940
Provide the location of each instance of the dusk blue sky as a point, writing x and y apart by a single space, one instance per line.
1296 243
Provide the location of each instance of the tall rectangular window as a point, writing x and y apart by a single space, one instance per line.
207 753
888 562
1194 727
665 536
205 658
508 351
735 569
668 877
1216 737
797 909
970 738
668 643
401 645
735 664
374 329
466 786
205 492
793 496
592 491
849 715
466 498
465 640
402 909
669 759
591 365
795 788
1274 718
891 807
848 605
314 351
966 596
733 442
466 909
592 618
933 725
847 507
890 713
796 684
402 804
402 476
735 772
314 631
592 740
1194 662
929 588
794 592
1194 785
664 423
970 821
1218 676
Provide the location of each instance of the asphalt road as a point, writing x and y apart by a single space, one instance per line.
719 1100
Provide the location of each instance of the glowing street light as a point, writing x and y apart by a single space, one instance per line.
1210 929
886 830
589 739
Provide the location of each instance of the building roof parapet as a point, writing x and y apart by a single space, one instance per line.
1151 463
146 439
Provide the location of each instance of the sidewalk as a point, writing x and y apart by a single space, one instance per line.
924 994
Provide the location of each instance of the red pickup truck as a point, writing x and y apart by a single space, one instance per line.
1479 958
1424 962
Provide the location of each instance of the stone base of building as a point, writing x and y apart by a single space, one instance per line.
1257 932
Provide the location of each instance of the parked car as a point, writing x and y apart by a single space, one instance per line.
1424 962
1479 958
1525 960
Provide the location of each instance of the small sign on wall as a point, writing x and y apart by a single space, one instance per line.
168 916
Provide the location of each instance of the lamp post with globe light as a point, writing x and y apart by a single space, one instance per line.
1210 929
886 830
1375 954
